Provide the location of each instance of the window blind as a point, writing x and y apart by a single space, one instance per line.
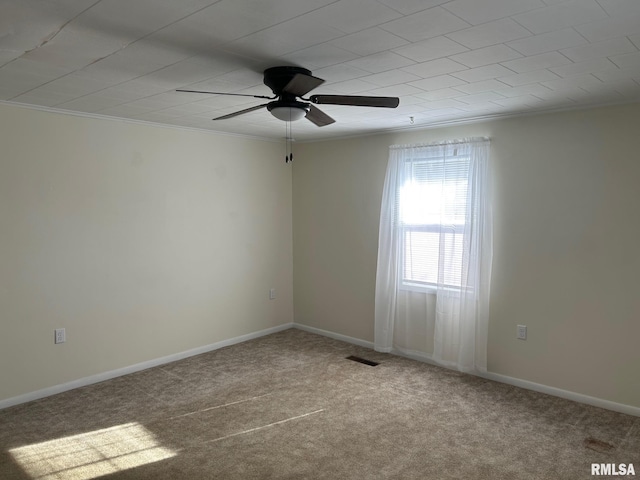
432 207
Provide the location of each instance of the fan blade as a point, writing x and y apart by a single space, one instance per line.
301 84
246 110
221 93
318 117
356 101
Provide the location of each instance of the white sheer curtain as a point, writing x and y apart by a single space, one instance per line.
435 253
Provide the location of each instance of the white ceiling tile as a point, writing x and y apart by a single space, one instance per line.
476 12
142 17
628 60
45 98
529 77
339 73
179 74
286 37
274 11
227 102
131 90
426 24
620 7
491 33
7 55
391 77
588 66
75 85
241 78
606 48
481 108
408 109
576 12
197 35
479 97
613 27
89 103
626 87
486 56
396 91
76 47
22 75
407 7
521 101
430 49
25 24
37 69
119 68
537 62
547 42
484 86
439 94
124 110
437 83
369 41
151 52
444 103
319 56
621 86
353 86
434 68
556 100
530 89
380 62
613 76
483 73
347 15
576 81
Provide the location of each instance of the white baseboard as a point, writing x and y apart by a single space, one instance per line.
335 336
558 392
101 377
537 387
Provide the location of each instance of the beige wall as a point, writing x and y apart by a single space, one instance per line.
566 192
141 241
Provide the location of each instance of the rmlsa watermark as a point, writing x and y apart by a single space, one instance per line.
609 469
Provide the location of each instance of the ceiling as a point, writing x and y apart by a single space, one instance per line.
448 61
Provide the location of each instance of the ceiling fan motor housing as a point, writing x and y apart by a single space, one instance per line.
276 78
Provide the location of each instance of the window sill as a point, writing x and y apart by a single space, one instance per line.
427 288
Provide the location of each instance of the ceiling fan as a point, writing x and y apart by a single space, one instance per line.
289 84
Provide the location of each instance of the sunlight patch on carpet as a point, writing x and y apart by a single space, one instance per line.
91 455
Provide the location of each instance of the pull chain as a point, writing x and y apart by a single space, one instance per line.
288 157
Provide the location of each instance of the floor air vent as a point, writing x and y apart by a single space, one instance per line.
362 360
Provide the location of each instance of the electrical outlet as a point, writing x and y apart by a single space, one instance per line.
272 294
61 335
521 333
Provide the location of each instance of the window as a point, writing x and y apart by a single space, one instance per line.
436 237
432 210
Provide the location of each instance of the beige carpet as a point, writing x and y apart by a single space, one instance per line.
291 406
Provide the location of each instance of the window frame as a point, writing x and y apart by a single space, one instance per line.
402 229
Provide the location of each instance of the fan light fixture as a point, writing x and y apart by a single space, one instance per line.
288 114
288 111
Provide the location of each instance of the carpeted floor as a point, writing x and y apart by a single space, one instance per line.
291 406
